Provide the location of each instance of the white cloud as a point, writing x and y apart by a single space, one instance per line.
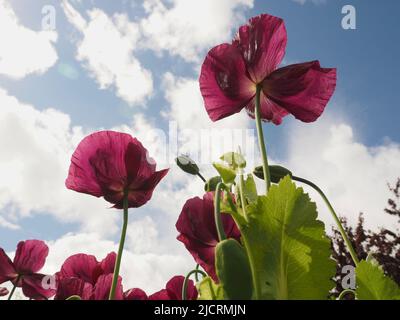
187 27
38 146
353 175
107 51
23 51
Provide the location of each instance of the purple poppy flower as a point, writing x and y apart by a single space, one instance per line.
23 271
231 72
198 232
108 164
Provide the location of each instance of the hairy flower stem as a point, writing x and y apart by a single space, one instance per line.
201 177
120 249
13 289
217 212
335 217
261 142
186 282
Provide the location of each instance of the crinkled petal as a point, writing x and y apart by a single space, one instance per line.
36 287
30 256
302 89
108 263
103 287
160 295
7 270
262 43
224 84
139 165
140 195
270 111
174 288
135 294
98 163
80 266
198 232
68 287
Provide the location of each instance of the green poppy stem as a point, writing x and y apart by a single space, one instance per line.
201 177
241 191
335 217
217 212
186 282
261 142
120 249
13 289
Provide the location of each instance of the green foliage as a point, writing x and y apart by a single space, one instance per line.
250 189
287 245
233 270
212 183
227 174
208 290
372 284
234 160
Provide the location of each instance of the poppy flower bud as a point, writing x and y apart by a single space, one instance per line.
187 165
211 184
276 172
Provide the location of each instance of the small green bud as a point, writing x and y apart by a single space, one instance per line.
211 184
276 172
187 165
235 160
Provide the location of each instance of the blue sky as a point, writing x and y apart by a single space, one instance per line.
363 111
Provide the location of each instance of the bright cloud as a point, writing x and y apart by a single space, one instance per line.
354 176
39 145
107 51
23 51
186 27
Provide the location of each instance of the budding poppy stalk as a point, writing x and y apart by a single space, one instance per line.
189 166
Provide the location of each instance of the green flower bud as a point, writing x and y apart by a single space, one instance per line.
276 172
187 165
211 184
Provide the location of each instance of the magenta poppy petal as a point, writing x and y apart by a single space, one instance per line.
7 270
174 288
138 196
160 295
69 287
108 163
262 43
33 287
80 266
135 294
103 287
198 232
223 82
108 263
30 256
270 111
302 89
3 292
139 165
98 159
204 255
